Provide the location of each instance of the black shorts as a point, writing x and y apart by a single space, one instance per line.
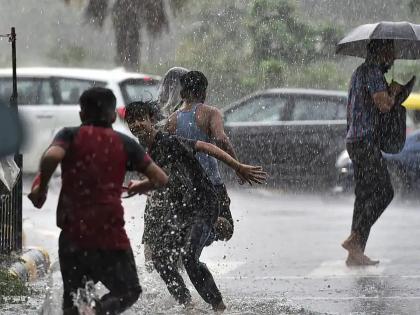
116 269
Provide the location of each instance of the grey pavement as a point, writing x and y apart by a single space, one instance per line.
284 258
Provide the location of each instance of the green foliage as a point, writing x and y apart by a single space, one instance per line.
276 33
272 72
130 19
414 6
218 41
319 75
10 286
243 46
69 55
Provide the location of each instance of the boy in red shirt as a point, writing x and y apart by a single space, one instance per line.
93 244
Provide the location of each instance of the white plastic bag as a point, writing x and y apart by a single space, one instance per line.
9 172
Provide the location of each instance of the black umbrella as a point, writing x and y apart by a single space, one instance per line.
405 35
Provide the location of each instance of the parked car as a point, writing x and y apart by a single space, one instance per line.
403 167
48 100
295 134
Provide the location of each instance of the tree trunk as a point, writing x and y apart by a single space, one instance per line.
127 33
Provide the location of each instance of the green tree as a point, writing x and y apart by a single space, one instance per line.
280 41
130 18
247 45
414 6
217 43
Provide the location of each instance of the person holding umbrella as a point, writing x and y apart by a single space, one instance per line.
369 95
373 106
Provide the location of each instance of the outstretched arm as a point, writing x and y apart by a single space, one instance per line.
247 173
49 162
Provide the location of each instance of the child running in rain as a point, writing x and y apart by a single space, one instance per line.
93 243
168 101
195 120
180 217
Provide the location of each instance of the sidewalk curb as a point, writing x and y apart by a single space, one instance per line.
34 263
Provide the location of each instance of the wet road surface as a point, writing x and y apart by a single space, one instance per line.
284 258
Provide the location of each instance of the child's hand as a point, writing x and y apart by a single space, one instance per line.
251 174
136 187
241 181
38 194
395 88
133 187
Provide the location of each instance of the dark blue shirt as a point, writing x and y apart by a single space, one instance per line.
362 114
189 195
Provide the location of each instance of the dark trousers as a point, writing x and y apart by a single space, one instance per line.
373 189
188 245
116 269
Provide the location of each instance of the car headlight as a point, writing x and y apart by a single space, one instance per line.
343 160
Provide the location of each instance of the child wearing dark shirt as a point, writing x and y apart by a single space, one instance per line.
179 218
93 243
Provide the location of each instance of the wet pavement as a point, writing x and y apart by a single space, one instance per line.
284 258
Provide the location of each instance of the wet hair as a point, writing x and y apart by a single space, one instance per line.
141 109
169 97
98 104
377 46
193 86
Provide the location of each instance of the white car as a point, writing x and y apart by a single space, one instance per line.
48 100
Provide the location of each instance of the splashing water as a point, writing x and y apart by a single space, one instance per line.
85 299
156 300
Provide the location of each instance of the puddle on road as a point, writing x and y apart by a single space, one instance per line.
156 300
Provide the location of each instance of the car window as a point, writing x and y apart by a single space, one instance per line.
139 89
317 109
259 109
69 90
30 91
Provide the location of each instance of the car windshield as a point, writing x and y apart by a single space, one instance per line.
139 89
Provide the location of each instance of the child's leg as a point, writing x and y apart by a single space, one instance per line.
148 262
72 271
200 276
117 271
165 260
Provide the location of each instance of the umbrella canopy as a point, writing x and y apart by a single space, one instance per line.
406 37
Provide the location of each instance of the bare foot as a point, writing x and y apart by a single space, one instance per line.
352 243
189 305
360 260
87 310
219 308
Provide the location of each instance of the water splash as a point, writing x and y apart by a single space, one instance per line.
86 298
